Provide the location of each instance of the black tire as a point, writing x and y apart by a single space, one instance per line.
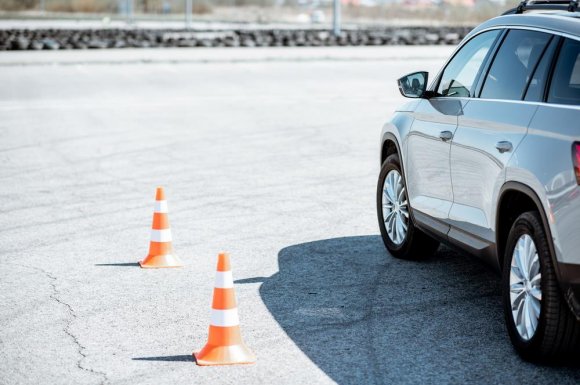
416 245
557 335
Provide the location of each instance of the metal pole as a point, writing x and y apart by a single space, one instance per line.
129 11
188 12
336 18
42 7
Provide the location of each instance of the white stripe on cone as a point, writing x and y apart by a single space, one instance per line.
161 235
160 207
225 318
224 280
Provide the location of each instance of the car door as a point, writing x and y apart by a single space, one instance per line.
489 130
428 175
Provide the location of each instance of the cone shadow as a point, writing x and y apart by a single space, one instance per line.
178 358
125 264
251 280
363 316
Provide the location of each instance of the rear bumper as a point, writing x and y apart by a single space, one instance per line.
570 283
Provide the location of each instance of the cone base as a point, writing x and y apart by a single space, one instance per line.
224 355
161 261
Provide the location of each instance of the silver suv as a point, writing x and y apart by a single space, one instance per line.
487 158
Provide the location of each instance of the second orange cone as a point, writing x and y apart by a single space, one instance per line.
224 345
160 248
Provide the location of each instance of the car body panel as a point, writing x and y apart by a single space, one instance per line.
477 166
552 131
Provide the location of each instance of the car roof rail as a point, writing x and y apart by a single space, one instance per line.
544 5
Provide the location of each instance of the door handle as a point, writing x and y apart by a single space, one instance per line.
446 135
503 146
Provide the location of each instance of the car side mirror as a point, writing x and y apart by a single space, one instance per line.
413 85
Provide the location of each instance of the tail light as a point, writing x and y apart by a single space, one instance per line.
576 160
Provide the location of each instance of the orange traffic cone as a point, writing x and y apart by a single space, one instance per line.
224 345
160 249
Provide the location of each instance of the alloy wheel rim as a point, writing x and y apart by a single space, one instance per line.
395 207
525 287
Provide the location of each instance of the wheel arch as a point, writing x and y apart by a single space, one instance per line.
389 146
514 199
394 134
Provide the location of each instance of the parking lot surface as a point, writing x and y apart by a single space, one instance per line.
269 154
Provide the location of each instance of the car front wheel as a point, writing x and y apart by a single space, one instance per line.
400 236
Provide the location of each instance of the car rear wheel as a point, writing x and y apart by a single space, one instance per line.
400 236
539 322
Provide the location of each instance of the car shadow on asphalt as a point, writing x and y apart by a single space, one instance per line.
364 317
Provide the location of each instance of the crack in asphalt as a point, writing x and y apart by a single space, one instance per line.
72 317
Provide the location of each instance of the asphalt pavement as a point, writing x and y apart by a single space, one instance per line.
269 154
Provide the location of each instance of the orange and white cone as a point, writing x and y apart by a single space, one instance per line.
224 345
160 249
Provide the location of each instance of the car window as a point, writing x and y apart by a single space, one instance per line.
459 76
536 86
565 85
514 64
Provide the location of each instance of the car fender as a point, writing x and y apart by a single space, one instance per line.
398 127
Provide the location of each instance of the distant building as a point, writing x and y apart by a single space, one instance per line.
465 3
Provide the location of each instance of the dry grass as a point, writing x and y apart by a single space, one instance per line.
81 6
263 11
18 5
448 14
102 6
201 8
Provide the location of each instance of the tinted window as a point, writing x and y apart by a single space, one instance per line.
459 75
514 64
537 85
565 86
